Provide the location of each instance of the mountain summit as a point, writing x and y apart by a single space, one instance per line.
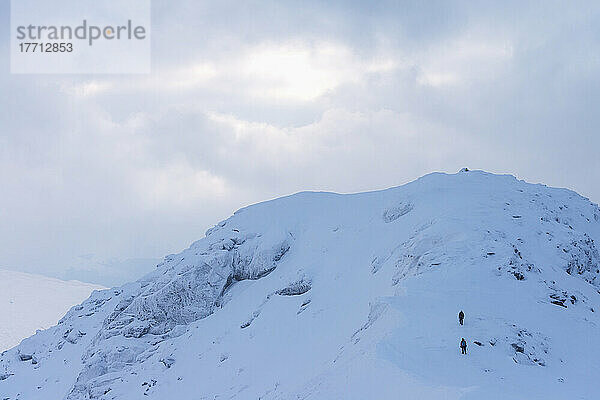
329 296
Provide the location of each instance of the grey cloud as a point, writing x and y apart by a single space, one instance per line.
139 166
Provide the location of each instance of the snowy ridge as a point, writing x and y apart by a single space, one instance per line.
322 296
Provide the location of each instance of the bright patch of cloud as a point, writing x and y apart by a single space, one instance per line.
297 71
302 71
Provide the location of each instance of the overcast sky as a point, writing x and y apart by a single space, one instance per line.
252 100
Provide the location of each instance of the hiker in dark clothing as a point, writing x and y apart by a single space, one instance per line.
463 346
461 317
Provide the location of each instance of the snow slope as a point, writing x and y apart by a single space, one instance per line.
30 302
328 296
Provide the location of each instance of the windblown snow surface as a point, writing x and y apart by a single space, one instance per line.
328 296
29 302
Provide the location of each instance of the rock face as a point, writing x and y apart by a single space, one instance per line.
319 295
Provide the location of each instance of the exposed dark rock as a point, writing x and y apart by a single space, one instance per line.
295 289
518 348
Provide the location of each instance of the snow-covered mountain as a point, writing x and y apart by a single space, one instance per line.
328 296
30 302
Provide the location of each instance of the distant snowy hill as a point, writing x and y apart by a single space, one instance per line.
29 302
107 272
328 296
